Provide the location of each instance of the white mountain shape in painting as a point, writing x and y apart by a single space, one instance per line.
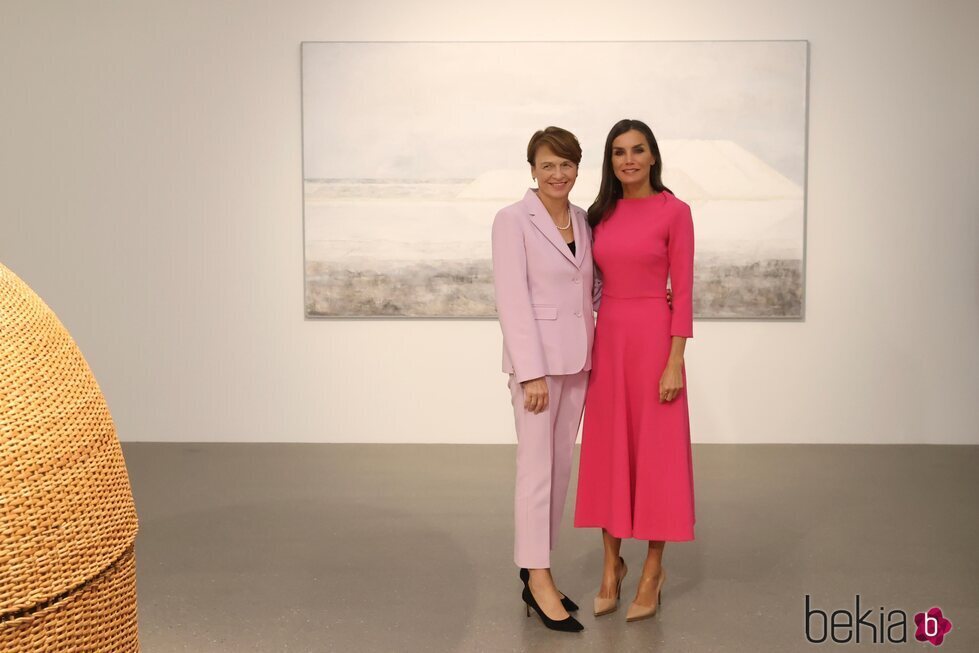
696 170
741 204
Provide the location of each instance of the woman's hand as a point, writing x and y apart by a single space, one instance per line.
669 298
671 382
535 395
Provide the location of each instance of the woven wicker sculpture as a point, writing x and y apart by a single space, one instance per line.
67 519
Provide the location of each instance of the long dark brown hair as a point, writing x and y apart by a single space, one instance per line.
611 189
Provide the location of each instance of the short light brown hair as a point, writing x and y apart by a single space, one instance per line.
563 142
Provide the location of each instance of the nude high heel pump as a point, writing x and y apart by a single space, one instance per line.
638 612
605 606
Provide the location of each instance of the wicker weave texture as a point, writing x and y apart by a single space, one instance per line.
100 617
66 507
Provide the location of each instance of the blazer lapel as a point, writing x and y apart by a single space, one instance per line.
542 220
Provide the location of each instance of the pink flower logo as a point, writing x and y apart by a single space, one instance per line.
932 626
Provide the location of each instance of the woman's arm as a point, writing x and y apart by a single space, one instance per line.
680 250
671 381
596 289
521 337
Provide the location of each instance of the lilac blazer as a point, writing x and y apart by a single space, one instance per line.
544 294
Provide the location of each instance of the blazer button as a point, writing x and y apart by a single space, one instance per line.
577 313
577 279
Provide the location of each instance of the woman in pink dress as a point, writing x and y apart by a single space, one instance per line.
636 473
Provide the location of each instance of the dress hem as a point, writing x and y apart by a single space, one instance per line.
633 536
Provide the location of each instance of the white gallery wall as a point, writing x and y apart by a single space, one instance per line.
150 157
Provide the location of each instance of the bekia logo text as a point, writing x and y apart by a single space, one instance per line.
879 627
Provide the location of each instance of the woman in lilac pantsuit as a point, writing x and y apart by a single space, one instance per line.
542 269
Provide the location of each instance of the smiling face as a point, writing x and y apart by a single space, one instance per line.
555 175
632 158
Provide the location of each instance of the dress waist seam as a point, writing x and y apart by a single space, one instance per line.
662 295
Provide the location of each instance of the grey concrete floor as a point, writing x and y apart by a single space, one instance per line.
300 547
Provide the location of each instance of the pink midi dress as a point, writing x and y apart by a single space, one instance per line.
636 470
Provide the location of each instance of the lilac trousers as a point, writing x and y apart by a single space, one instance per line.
545 447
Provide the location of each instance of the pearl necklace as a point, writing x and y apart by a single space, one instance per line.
569 221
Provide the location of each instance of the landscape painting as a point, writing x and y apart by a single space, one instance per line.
410 149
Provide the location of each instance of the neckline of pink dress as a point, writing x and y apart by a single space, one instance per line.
654 196
642 204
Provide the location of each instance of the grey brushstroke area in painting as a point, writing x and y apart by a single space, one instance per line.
406 233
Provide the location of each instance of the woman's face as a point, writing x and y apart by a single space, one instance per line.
555 175
631 158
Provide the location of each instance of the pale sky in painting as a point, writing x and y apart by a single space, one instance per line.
457 110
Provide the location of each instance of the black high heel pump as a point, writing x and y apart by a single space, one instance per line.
568 604
569 625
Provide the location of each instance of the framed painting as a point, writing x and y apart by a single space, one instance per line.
410 149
